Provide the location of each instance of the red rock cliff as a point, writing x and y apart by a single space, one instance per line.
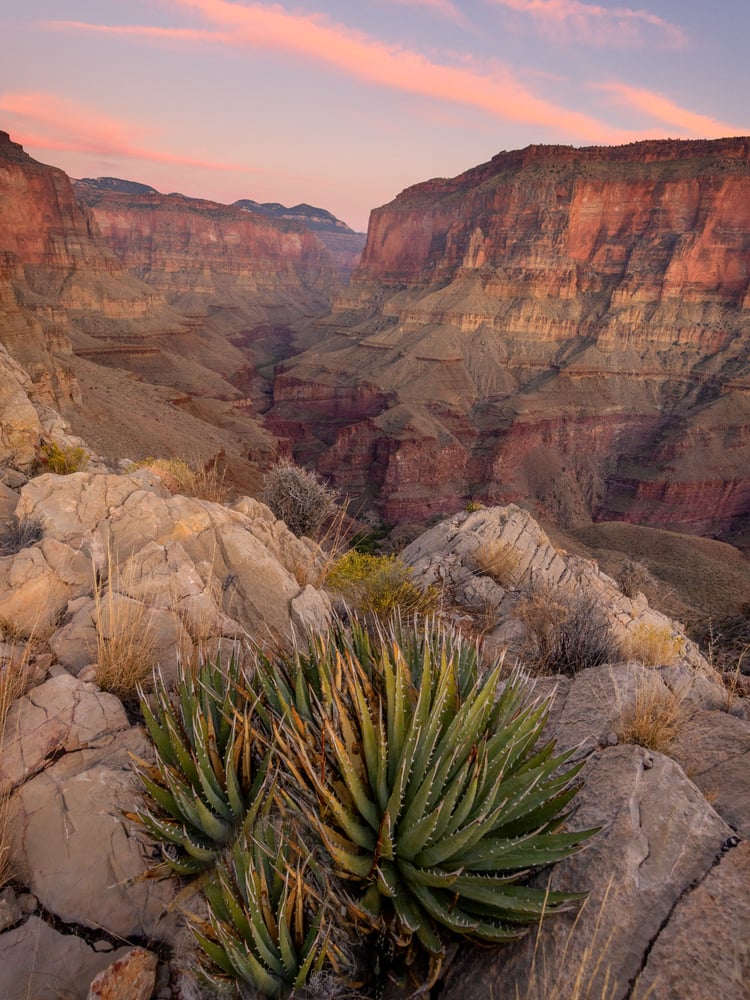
569 324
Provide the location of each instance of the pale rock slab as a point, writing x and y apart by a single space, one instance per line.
38 963
38 582
77 850
20 427
715 751
658 836
59 716
704 950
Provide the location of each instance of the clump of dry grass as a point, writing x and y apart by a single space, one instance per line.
14 682
655 718
125 637
202 481
499 561
653 645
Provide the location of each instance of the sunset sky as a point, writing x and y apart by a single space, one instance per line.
342 104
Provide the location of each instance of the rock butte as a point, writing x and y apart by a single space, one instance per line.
564 324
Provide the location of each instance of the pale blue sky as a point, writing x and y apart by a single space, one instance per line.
343 104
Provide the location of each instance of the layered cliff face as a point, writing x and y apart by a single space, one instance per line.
570 325
146 319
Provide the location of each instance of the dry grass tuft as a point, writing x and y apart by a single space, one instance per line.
653 645
14 682
499 561
656 717
202 481
125 638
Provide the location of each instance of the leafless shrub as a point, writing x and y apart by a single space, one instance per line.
565 633
20 535
633 577
298 497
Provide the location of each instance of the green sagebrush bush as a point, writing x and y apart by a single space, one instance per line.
420 794
62 459
379 586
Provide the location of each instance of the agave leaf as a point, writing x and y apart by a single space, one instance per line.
349 771
214 951
156 730
443 908
387 878
161 795
245 966
413 838
209 784
501 855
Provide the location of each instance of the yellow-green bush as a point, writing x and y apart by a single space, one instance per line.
62 459
379 586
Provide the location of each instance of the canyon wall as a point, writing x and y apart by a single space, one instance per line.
147 319
569 325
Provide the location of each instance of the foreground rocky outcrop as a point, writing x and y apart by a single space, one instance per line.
569 325
204 577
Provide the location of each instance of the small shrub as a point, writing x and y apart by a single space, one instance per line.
298 497
633 577
655 718
379 586
565 633
62 459
654 645
472 506
499 561
20 535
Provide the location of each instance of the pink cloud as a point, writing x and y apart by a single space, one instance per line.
50 122
493 89
597 25
682 121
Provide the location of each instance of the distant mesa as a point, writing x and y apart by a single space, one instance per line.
317 219
117 184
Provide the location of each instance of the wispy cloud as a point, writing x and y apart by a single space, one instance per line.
443 7
491 88
681 121
597 25
46 121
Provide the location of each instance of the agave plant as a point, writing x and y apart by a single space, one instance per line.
426 789
268 921
206 784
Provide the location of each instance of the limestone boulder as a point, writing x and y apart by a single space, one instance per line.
38 962
75 847
657 837
130 977
37 584
714 749
59 716
20 427
704 951
220 573
492 558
